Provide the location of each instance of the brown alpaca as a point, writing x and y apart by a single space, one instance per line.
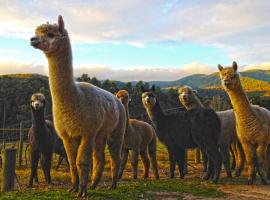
85 116
140 137
228 134
253 123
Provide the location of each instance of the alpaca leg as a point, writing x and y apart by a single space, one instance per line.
98 161
71 146
152 152
83 162
34 165
180 159
240 158
215 161
172 164
205 161
134 162
115 146
60 160
224 150
146 163
250 156
232 151
48 161
262 162
124 157
43 166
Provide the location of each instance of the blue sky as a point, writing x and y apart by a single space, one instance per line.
142 39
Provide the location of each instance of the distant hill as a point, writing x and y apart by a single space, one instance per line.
253 80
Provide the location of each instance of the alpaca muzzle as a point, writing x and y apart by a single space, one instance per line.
35 41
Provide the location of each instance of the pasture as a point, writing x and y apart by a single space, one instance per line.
192 187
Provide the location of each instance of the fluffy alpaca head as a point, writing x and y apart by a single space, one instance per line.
229 77
149 98
123 96
187 95
37 101
50 38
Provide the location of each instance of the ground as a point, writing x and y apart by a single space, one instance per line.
192 187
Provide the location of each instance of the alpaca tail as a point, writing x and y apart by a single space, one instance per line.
152 151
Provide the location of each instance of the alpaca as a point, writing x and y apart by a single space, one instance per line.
186 129
228 135
140 137
60 150
41 139
85 116
253 123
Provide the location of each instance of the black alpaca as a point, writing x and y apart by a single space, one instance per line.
41 139
186 129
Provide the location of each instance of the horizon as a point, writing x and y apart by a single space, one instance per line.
129 41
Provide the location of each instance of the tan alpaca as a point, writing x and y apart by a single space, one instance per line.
228 134
140 137
253 123
85 116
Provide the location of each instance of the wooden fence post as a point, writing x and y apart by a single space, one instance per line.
8 174
21 144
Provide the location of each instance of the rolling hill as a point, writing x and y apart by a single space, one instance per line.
253 80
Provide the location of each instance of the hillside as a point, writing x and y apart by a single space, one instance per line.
253 80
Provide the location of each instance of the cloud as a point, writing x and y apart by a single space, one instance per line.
264 66
240 28
102 72
10 67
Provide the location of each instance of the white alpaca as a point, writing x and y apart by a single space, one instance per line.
85 116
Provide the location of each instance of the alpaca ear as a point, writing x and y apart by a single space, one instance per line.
234 65
195 92
153 88
220 67
61 24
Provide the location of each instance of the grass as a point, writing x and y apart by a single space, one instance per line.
127 188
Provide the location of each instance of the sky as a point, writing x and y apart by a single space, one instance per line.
140 39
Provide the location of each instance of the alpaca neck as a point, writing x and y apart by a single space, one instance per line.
241 105
61 73
196 103
156 115
38 119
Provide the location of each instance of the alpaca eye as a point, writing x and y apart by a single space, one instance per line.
50 35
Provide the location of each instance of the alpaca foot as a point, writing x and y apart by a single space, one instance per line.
237 173
229 175
206 176
29 185
135 177
36 180
83 191
250 181
264 182
157 177
145 176
113 186
171 175
74 188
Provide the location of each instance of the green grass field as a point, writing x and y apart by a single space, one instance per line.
127 187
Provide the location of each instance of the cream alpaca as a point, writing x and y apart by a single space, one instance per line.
140 137
228 134
253 123
85 116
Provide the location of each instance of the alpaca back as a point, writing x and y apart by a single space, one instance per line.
92 109
143 131
175 127
206 122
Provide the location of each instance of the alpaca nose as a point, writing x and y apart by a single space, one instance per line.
34 41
